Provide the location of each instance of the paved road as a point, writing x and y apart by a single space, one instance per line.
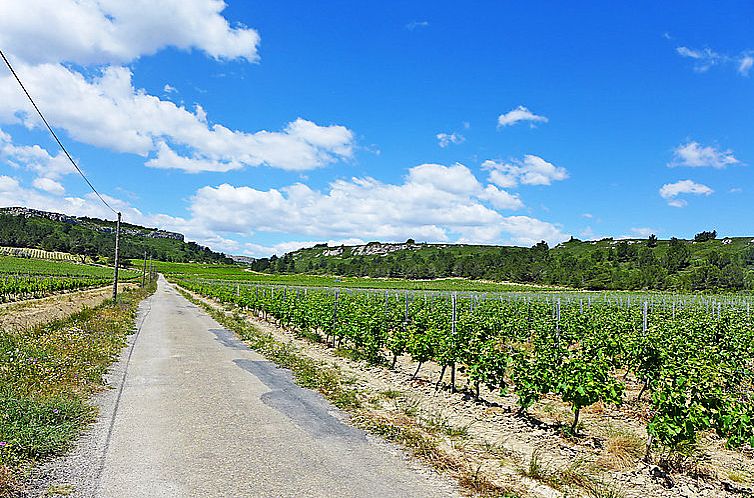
201 415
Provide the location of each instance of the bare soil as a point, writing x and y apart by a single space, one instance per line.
24 314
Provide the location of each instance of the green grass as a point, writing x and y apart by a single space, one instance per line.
47 374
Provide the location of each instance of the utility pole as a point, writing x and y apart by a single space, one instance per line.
144 270
117 254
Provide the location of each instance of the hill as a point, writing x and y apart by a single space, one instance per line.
24 227
629 264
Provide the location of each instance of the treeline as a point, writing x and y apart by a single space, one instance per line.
607 265
41 233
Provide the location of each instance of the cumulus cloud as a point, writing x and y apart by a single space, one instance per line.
671 191
519 114
100 105
695 155
49 185
500 199
107 111
261 250
434 203
33 158
445 139
114 31
531 170
45 196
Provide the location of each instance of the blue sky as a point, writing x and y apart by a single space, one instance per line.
260 127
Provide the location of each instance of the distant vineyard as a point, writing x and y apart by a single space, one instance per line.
693 356
25 252
26 278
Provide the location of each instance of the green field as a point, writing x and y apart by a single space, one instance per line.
27 278
236 273
692 355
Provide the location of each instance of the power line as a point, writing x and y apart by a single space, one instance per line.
13 72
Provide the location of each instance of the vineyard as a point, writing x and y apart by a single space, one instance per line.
25 252
24 278
693 356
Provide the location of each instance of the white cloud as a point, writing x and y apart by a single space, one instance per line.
12 193
100 106
500 199
695 155
640 233
8 184
445 139
706 58
169 88
744 65
114 31
416 24
671 191
518 114
107 111
262 250
532 170
456 179
434 203
34 158
49 185
528 231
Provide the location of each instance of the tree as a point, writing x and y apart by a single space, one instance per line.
541 246
705 236
678 256
652 241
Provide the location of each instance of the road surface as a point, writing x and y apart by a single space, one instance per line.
199 414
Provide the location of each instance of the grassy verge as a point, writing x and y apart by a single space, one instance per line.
423 440
47 374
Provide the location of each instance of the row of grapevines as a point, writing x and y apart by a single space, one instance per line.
16 288
696 367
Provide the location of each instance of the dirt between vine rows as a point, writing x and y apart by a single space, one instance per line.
530 454
24 314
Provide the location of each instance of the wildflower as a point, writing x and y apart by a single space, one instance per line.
55 411
3 443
